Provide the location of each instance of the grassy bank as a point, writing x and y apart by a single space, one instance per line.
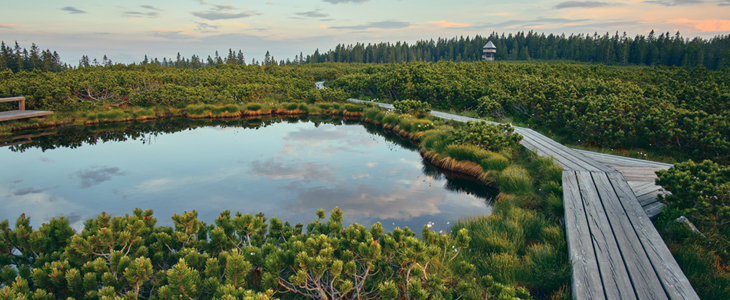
522 244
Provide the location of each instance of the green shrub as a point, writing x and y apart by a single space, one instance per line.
490 137
515 179
701 191
415 108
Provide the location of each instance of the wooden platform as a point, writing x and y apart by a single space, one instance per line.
615 250
22 114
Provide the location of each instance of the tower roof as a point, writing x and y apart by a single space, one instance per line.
490 45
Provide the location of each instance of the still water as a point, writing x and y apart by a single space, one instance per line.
285 168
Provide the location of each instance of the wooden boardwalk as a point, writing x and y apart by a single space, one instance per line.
615 250
21 113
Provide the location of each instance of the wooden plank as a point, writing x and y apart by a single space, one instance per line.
567 160
675 283
611 265
622 160
647 199
576 157
586 282
644 280
21 101
646 190
22 114
653 210
640 184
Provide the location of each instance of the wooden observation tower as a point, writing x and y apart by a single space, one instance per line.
488 51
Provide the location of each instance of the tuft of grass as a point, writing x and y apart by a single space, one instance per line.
325 106
504 267
253 106
549 269
196 109
554 205
290 106
467 152
354 108
112 115
496 162
303 107
515 179
391 119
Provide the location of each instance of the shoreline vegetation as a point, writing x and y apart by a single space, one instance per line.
662 113
530 256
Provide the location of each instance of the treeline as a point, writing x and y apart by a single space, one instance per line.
663 49
17 59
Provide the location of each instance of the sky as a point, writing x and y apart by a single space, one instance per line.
128 30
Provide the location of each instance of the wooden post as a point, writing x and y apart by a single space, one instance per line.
21 103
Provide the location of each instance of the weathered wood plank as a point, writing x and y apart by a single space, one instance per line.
654 209
614 275
644 280
560 153
646 190
616 160
586 282
578 158
647 199
22 114
670 275
635 185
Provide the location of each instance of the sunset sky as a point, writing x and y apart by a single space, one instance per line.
127 30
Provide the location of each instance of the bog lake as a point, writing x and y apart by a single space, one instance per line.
286 168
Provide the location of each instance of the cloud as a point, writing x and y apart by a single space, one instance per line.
217 15
312 14
583 4
611 24
31 190
150 7
276 170
172 35
205 26
96 175
8 26
674 2
445 24
136 14
220 7
73 10
724 3
345 1
376 25
502 14
42 207
705 25
223 12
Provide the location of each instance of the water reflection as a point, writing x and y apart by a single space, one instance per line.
287 168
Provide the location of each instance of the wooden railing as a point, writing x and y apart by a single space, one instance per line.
21 101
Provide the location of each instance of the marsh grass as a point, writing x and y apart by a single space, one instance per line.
354 108
515 179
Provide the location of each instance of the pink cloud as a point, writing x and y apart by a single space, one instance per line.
445 24
705 25
9 26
